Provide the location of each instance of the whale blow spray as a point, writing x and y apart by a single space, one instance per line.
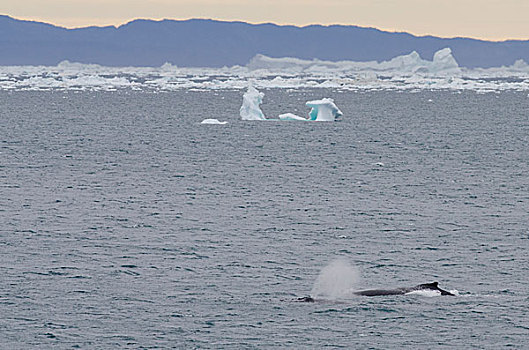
336 281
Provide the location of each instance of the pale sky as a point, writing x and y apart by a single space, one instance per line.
485 19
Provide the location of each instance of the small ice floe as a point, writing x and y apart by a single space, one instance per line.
291 116
213 121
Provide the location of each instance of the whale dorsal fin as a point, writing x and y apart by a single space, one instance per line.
433 285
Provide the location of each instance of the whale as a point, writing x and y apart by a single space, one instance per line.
433 286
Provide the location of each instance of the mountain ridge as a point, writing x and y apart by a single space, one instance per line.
212 43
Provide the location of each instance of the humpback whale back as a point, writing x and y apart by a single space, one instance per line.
377 292
425 286
434 286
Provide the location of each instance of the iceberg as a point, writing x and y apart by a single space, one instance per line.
251 101
323 110
213 122
520 66
261 61
407 72
405 64
443 62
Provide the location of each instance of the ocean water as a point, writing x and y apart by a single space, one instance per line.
124 223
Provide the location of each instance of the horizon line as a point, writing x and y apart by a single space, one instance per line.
123 23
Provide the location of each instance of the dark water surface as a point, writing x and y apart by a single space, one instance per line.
126 223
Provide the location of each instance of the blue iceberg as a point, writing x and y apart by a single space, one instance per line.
323 110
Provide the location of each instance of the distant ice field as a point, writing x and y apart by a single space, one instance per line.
407 72
126 223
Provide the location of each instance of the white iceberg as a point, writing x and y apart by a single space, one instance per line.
251 101
520 66
260 61
443 62
213 122
405 64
